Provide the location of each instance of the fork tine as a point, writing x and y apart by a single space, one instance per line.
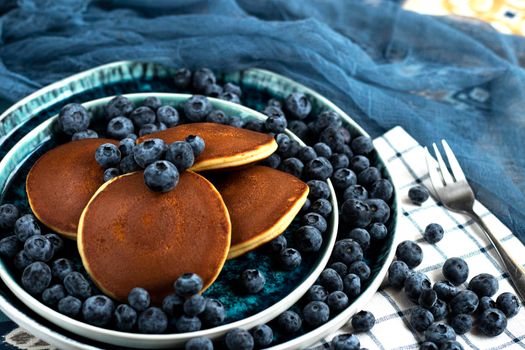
447 178
433 173
454 164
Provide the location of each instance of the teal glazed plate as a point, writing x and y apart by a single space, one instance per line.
282 288
128 77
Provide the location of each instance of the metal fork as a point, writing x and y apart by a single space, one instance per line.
456 194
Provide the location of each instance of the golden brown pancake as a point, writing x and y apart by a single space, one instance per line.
61 183
226 146
262 202
129 236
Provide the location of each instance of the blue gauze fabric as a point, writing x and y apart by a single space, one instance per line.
437 77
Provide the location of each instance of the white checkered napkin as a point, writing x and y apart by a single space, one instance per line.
406 162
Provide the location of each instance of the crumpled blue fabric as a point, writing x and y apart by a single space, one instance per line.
437 77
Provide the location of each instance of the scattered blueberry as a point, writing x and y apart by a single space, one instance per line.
125 317
492 322
252 281
290 258
418 194
214 313
433 233
484 284
427 298
316 313
439 310
149 151
450 345
352 285
197 108
239 339
9 246
409 252
60 268
139 299
151 128
111 173
36 277
462 323
77 286
119 105
72 118
152 321
9 213
129 165
26 226
486 303
363 321
85 134
98 310
421 318
278 244
181 154
356 213
141 116
70 306
345 342
172 305
194 305
455 270
308 239
120 127
197 144
428 345
289 321
347 251
262 335
398 273
188 284
337 301
466 302
107 155
168 115
161 176
52 295
414 285
39 248
439 332
508 303
445 290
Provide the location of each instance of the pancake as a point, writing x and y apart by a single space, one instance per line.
262 202
61 183
226 146
129 236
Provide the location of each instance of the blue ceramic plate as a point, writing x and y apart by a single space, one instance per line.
125 77
282 288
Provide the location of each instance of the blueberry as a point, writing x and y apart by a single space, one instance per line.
70 306
26 226
346 150
252 281
196 108
345 342
125 318
398 273
9 213
213 90
509 304
362 145
273 161
275 123
486 303
255 125
433 233
337 301
128 165
119 105
445 290
306 206
378 231
292 166
161 176
151 128
323 150
120 127
369 176
107 155
152 321
466 302
234 89
331 280
85 134
359 163
182 78
9 246
278 244
428 345
347 251
327 119
52 295
363 321
290 258
168 116
355 192
315 220
197 144
382 189
455 270
172 305
308 239
318 169
98 310
152 102
352 285
184 324
194 305
298 105
289 322
379 209
180 153
56 242
199 343
36 277
139 299
361 236
361 269
316 313
77 286
299 128
461 323
141 116
111 173
188 284
418 194
318 189
239 339
414 285
333 137
72 118
484 284
343 178
203 77
316 293
409 252
322 207
427 298
262 335
230 97
217 116
39 248
149 151
439 332
214 313
492 322
439 310
60 268
450 345
356 213
22 260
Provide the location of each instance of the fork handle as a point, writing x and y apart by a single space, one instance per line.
515 270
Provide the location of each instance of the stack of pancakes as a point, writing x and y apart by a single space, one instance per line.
129 236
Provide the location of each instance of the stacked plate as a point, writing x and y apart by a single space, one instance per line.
25 131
